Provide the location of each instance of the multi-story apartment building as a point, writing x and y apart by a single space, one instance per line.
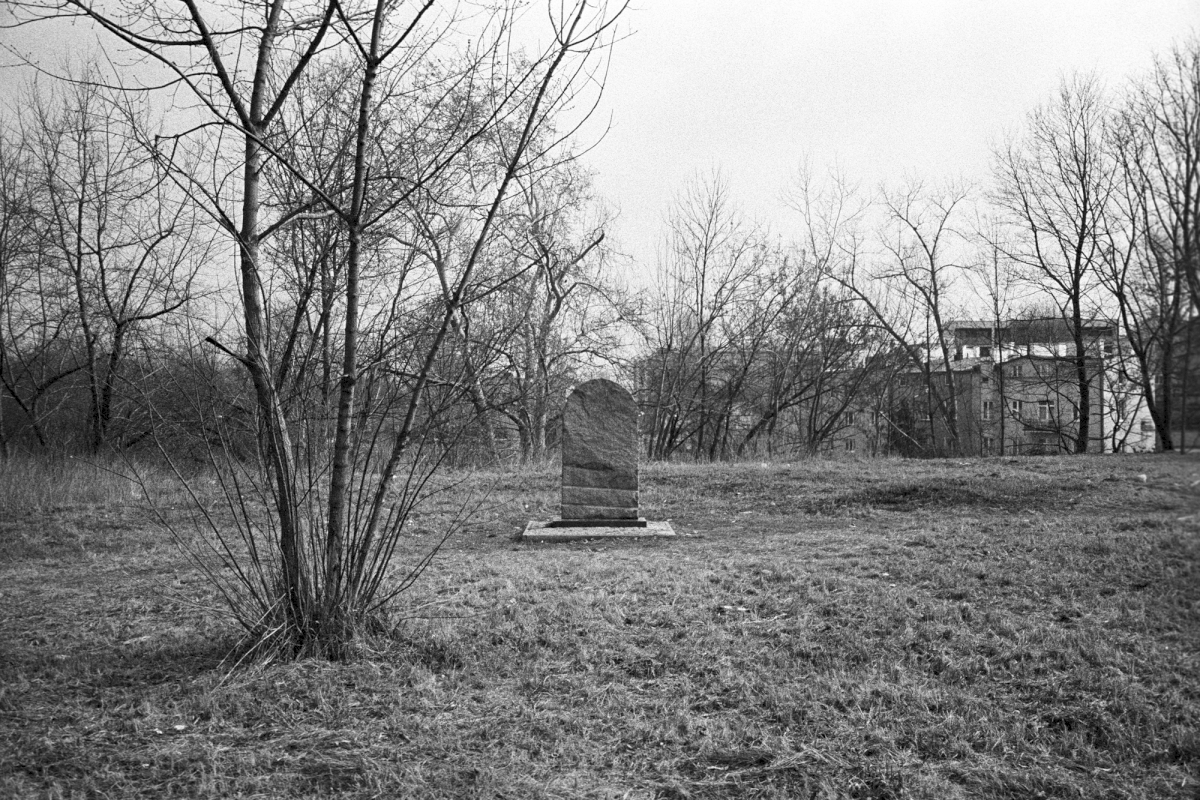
1009 389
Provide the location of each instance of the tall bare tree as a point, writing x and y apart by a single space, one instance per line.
336 517
907 286
122 235
561 307
36 323
705 285
1001 288
1055 182
1151 263
821 357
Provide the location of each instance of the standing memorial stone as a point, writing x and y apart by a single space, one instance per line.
599 456
599 470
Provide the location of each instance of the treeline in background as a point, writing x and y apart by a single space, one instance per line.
487 280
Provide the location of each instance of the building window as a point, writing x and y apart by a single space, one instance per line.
987 409
985 352
1046 440
849 417
1045 410
989 444
1015 407
1147 426
849 445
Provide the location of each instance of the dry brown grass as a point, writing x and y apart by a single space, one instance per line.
978 628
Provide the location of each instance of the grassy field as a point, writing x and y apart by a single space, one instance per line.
994 628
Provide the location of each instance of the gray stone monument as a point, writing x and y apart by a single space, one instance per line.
599 455
599 468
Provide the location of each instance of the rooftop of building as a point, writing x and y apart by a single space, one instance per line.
1045 330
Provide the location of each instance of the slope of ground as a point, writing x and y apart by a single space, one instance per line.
977 628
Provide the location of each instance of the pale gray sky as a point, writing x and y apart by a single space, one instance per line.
883 87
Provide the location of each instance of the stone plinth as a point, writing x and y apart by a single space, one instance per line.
555 531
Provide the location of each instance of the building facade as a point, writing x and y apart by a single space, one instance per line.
1010 389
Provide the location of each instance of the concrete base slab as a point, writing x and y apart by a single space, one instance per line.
540 531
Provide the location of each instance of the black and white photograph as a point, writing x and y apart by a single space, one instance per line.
600 399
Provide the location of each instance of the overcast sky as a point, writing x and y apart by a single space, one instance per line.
882 87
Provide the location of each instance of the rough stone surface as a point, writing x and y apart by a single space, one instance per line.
599 453
573 511
581 496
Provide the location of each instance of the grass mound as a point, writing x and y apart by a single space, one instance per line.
958 629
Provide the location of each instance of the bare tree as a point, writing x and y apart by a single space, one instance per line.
706 276
335 515
1150 265
1000 285
1055 183
125 240
36 323
747 347
561 307
822 355
907 287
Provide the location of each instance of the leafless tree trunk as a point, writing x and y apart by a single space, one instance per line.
1151 263
705 281
993 271
127 243
243 69
1055 182
907 287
